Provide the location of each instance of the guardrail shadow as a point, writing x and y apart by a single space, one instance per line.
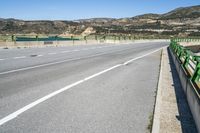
185 115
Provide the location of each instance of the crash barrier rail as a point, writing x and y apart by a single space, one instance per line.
187 64
27 37
189 61
51 38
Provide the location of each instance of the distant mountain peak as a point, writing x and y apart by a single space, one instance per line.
183 12
147 16
98 20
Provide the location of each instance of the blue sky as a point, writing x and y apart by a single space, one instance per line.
79 9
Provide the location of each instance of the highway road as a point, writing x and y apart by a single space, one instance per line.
79 89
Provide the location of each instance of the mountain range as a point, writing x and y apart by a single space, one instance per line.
184 21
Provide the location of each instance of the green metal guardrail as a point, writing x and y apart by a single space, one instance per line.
189 61
52 38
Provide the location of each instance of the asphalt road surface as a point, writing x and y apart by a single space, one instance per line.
79 89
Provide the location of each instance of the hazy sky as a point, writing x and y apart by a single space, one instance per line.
78 9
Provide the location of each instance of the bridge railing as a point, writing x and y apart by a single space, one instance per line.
189 61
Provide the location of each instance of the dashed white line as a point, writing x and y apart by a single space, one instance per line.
33 104
20 57
40 55
49 64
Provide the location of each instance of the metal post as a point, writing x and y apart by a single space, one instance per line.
196 74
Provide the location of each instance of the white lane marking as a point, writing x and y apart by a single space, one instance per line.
40 55
53 63
33 104
126 63
61 52
64 51
51 53
20 57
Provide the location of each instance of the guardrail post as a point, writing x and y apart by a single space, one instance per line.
196 74
96 38
72 38
13 38
36 37
179 52
85 38
186 63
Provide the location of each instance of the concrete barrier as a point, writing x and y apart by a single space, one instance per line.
194 103
190 91
183 79
71 43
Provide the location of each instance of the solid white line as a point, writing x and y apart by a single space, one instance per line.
104 71
20 57
54 63
31 105
126 63
49 64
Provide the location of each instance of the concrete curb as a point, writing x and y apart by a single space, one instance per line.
156 115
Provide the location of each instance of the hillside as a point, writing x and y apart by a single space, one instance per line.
184 21
183 12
